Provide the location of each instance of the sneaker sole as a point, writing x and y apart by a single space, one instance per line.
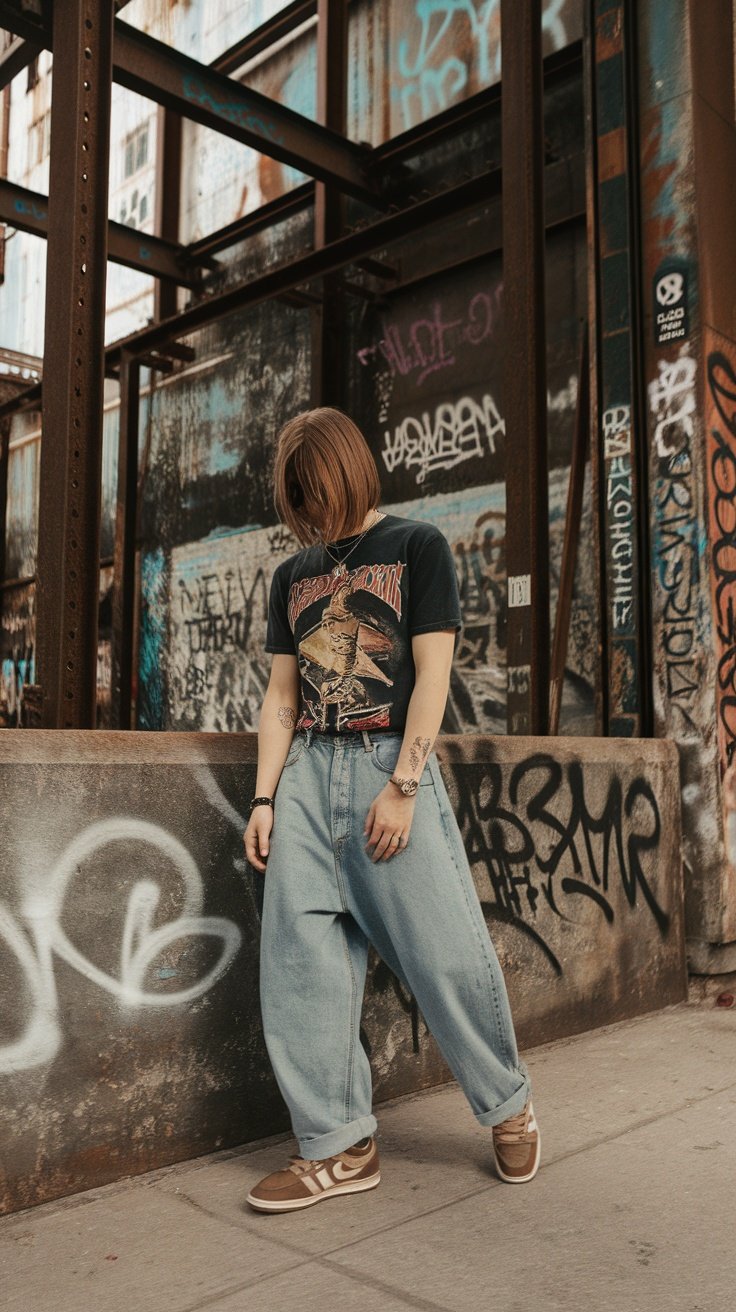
293 1205
521 1179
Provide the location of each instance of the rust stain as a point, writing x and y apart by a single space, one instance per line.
611 154
608 35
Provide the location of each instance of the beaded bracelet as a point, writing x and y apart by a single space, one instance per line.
257 801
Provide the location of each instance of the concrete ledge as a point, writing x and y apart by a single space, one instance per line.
129 926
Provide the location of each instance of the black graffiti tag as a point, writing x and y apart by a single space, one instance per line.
530 849
722 386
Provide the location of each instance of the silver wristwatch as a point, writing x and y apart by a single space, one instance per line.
407 786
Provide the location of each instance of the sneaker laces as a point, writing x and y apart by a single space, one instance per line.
513 1130
301 1164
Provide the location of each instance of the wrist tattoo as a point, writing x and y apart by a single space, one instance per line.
287 716
418 751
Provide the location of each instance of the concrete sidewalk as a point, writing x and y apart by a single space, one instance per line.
633 1208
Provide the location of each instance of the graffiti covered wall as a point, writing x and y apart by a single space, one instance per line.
689 371
130 1033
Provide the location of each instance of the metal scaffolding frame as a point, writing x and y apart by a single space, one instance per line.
71 393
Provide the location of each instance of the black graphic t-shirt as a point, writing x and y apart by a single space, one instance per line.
351 632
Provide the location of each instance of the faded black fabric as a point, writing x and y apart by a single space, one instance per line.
352 634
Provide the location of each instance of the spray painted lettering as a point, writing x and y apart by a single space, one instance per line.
458 431
722 498
672 404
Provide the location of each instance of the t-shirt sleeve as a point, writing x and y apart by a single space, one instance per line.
279 637
434 597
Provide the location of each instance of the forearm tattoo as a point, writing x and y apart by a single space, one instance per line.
287 716
417 752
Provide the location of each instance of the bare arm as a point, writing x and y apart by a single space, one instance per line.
278 717
391 813
433 654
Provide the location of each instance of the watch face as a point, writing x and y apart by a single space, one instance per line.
407 786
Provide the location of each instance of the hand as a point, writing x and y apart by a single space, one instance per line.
389 817
257 835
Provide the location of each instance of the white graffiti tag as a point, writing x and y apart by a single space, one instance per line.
672 399
459 431
42 909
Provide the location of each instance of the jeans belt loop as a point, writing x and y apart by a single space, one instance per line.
367 740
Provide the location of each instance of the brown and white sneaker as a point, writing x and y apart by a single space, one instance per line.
517 1146
308 1180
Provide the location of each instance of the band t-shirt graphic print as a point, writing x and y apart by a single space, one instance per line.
351 632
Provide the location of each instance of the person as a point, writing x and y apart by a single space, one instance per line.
352 826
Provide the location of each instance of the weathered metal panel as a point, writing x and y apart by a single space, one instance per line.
69 493
684 642
436 55
524 359
130 924
620 428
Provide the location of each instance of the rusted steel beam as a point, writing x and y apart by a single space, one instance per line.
274 211
168 191
28 210
198 92
329 208
221 103
206 96
524 371
274 29
71 449
573 516
123 580
16 56
21 23
20 53
349 249
407 144
619 451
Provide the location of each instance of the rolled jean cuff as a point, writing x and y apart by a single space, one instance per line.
508 1108
336 1141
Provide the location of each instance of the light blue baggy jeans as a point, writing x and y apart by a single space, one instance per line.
325 901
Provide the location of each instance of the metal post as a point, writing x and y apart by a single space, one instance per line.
168 187
619 455
123 581
524 373
571 541
329 206
73 379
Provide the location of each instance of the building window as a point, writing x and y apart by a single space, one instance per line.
136 150
39 139
134 208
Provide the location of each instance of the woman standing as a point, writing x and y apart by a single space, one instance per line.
353 827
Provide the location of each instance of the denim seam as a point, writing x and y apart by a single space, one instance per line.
491 981
349 1073
294 759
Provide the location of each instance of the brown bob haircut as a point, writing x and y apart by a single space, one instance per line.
325 478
